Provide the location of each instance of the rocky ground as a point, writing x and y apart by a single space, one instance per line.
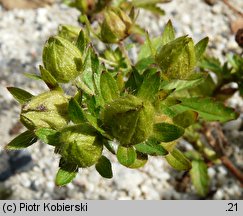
30 174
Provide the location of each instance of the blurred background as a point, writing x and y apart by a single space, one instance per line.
25 25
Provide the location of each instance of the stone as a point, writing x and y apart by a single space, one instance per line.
5 169
25 4
20 160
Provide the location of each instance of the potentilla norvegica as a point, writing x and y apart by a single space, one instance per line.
132 110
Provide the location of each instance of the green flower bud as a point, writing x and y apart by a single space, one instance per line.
69 32
177 58
47 110
80 145
62 59
116 26
128 119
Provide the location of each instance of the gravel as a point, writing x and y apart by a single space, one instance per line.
22 35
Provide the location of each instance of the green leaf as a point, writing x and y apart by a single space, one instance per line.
66 173
139 3
89 79
23 140
109 145
178 160
200 47
82 41
153 8
211 64
166 132
150 87
140 161
103 167
20 95
145 49
75 112
186 118
49 79
134 82
179 85
200 178
177 58
207 108
168 34
151 147
108 87
143 64
33 76
126 155
48 135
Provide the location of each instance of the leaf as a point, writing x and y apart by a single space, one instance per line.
200 48
48 135
139 3
165 132
200 178
211 64
207 109
150 87
178 160
143 64
82 41
20 95
179 85
145 49
49 79
153 8
75 112
186 118
33 76
134 82
108 87
140 161
109 145
126 155
89 79
103 167
23 140
177 58
66 173
168 34
151 147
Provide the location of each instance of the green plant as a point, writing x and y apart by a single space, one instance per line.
133 109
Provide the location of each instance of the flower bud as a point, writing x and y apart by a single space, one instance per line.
116 26
47 110
80 145
177 58
128 119
62 59
69 32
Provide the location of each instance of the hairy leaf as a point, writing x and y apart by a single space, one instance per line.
20 95
186 118
75 112
150 87
66 173
151 147
207 109
200 178
178 160
166 132
48 135
200 47
108 87
126 156
23 140
103 167
168 33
